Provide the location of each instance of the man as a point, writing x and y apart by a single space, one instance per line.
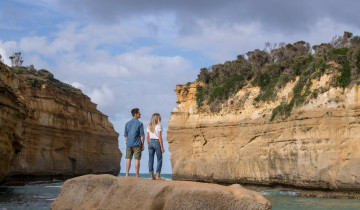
134 138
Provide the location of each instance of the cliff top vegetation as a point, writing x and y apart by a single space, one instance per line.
36 78
276 65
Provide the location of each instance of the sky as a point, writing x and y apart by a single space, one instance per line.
125 54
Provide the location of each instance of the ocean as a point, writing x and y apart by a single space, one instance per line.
39 195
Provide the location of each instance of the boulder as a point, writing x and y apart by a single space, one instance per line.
110 192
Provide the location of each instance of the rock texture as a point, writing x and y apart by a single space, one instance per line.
317 147
52 132
110 192
12 115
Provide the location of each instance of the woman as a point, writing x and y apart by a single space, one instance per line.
155 145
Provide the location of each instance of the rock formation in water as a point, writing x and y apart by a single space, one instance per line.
303 133
316 147
50 129
110 192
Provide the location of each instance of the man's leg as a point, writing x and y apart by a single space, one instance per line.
128 164
128 157
137 167
137 154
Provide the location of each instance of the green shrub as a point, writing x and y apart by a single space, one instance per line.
34 82
264 80
267 94
267 88
283 109
45 74
339 54
199 95
272 70
315 93
217 93
345 78
67 88
230 86
298 99
302 63
284 78
19 69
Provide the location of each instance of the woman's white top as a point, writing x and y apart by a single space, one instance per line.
155 135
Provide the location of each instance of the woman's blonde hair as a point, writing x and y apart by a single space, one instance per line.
155 119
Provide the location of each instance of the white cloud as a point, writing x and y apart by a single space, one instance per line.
223 43
103 96
136 62
7 49
77 85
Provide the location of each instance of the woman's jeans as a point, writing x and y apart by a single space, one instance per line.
154 147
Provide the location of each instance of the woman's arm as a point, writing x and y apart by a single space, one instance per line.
161 142
148 138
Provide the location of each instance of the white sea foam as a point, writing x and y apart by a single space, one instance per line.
279 192
39 196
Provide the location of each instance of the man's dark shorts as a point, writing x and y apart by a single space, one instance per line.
133 150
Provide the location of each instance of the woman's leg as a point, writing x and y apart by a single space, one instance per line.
151 160
159 160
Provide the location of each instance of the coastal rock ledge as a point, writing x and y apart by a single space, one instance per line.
110 192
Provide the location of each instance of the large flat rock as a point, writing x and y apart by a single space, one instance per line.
110 192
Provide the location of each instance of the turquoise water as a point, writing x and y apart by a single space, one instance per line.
284 199
39 195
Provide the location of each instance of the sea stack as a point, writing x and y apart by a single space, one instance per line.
293 122
51 129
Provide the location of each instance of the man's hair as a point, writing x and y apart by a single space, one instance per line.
134 111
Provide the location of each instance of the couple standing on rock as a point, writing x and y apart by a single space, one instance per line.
135 137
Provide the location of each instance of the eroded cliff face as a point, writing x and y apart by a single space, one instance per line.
60 133
12 115
316 147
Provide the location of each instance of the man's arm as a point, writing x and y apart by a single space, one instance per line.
126 133
142 136
142 142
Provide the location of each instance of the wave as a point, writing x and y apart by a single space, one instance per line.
279 192
54 186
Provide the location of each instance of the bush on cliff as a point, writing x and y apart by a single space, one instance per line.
275 66
36 78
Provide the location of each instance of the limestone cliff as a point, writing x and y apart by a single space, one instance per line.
316 147
53 130
12 115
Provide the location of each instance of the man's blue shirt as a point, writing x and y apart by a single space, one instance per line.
134 129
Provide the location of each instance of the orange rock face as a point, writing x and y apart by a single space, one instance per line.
317 146
12 115
110 192
61 134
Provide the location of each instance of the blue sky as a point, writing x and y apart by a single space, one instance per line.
126 54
